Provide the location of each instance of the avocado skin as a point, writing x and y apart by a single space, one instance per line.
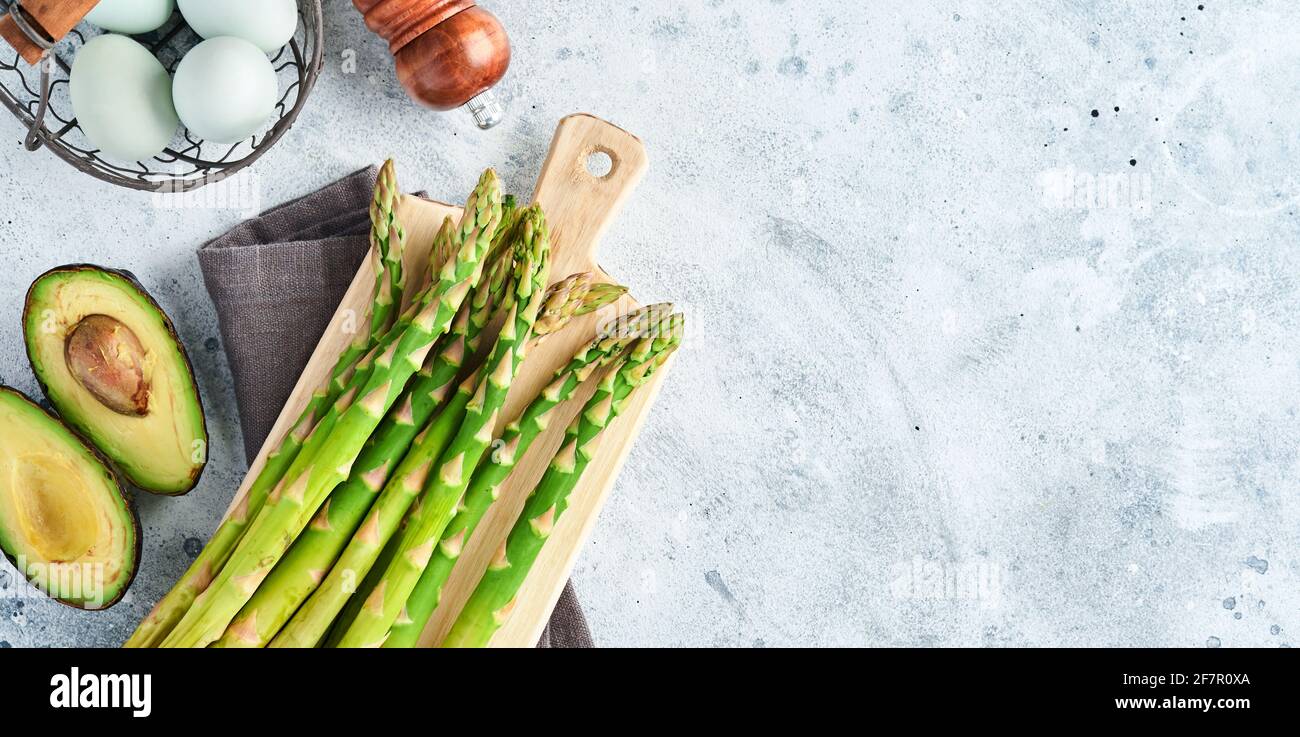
131 279
131 515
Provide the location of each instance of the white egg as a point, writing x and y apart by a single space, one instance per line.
131 16
268 24
225 89
122 98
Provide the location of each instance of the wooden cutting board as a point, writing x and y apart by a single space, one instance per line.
579 207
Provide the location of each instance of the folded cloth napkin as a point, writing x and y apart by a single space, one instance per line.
276 281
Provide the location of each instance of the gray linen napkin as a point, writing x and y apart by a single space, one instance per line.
276 281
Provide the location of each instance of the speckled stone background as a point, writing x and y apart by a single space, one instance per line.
994 310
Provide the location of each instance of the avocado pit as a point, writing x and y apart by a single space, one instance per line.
107 359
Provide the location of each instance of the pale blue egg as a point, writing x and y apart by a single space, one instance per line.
268 24
225 89
122 98
131 16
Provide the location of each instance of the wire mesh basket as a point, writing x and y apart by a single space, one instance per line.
38 96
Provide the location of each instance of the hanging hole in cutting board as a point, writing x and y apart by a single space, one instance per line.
601 163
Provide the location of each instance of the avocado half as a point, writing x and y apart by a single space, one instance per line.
109 360
63 519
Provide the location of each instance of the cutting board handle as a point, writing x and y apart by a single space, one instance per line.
580 205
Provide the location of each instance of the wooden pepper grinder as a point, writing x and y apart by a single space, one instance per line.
32 27
450 53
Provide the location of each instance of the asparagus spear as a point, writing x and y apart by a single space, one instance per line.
309 625
313 475
387 244
440 252
509 216
169 610
388 241
456 466
493 599
513 445
387 256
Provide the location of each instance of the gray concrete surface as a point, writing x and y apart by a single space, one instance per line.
970 364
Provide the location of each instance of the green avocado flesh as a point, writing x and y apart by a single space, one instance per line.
109 361
63 520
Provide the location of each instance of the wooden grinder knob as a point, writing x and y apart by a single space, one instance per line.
35 25
450 53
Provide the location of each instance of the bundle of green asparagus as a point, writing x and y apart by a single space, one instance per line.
387 471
